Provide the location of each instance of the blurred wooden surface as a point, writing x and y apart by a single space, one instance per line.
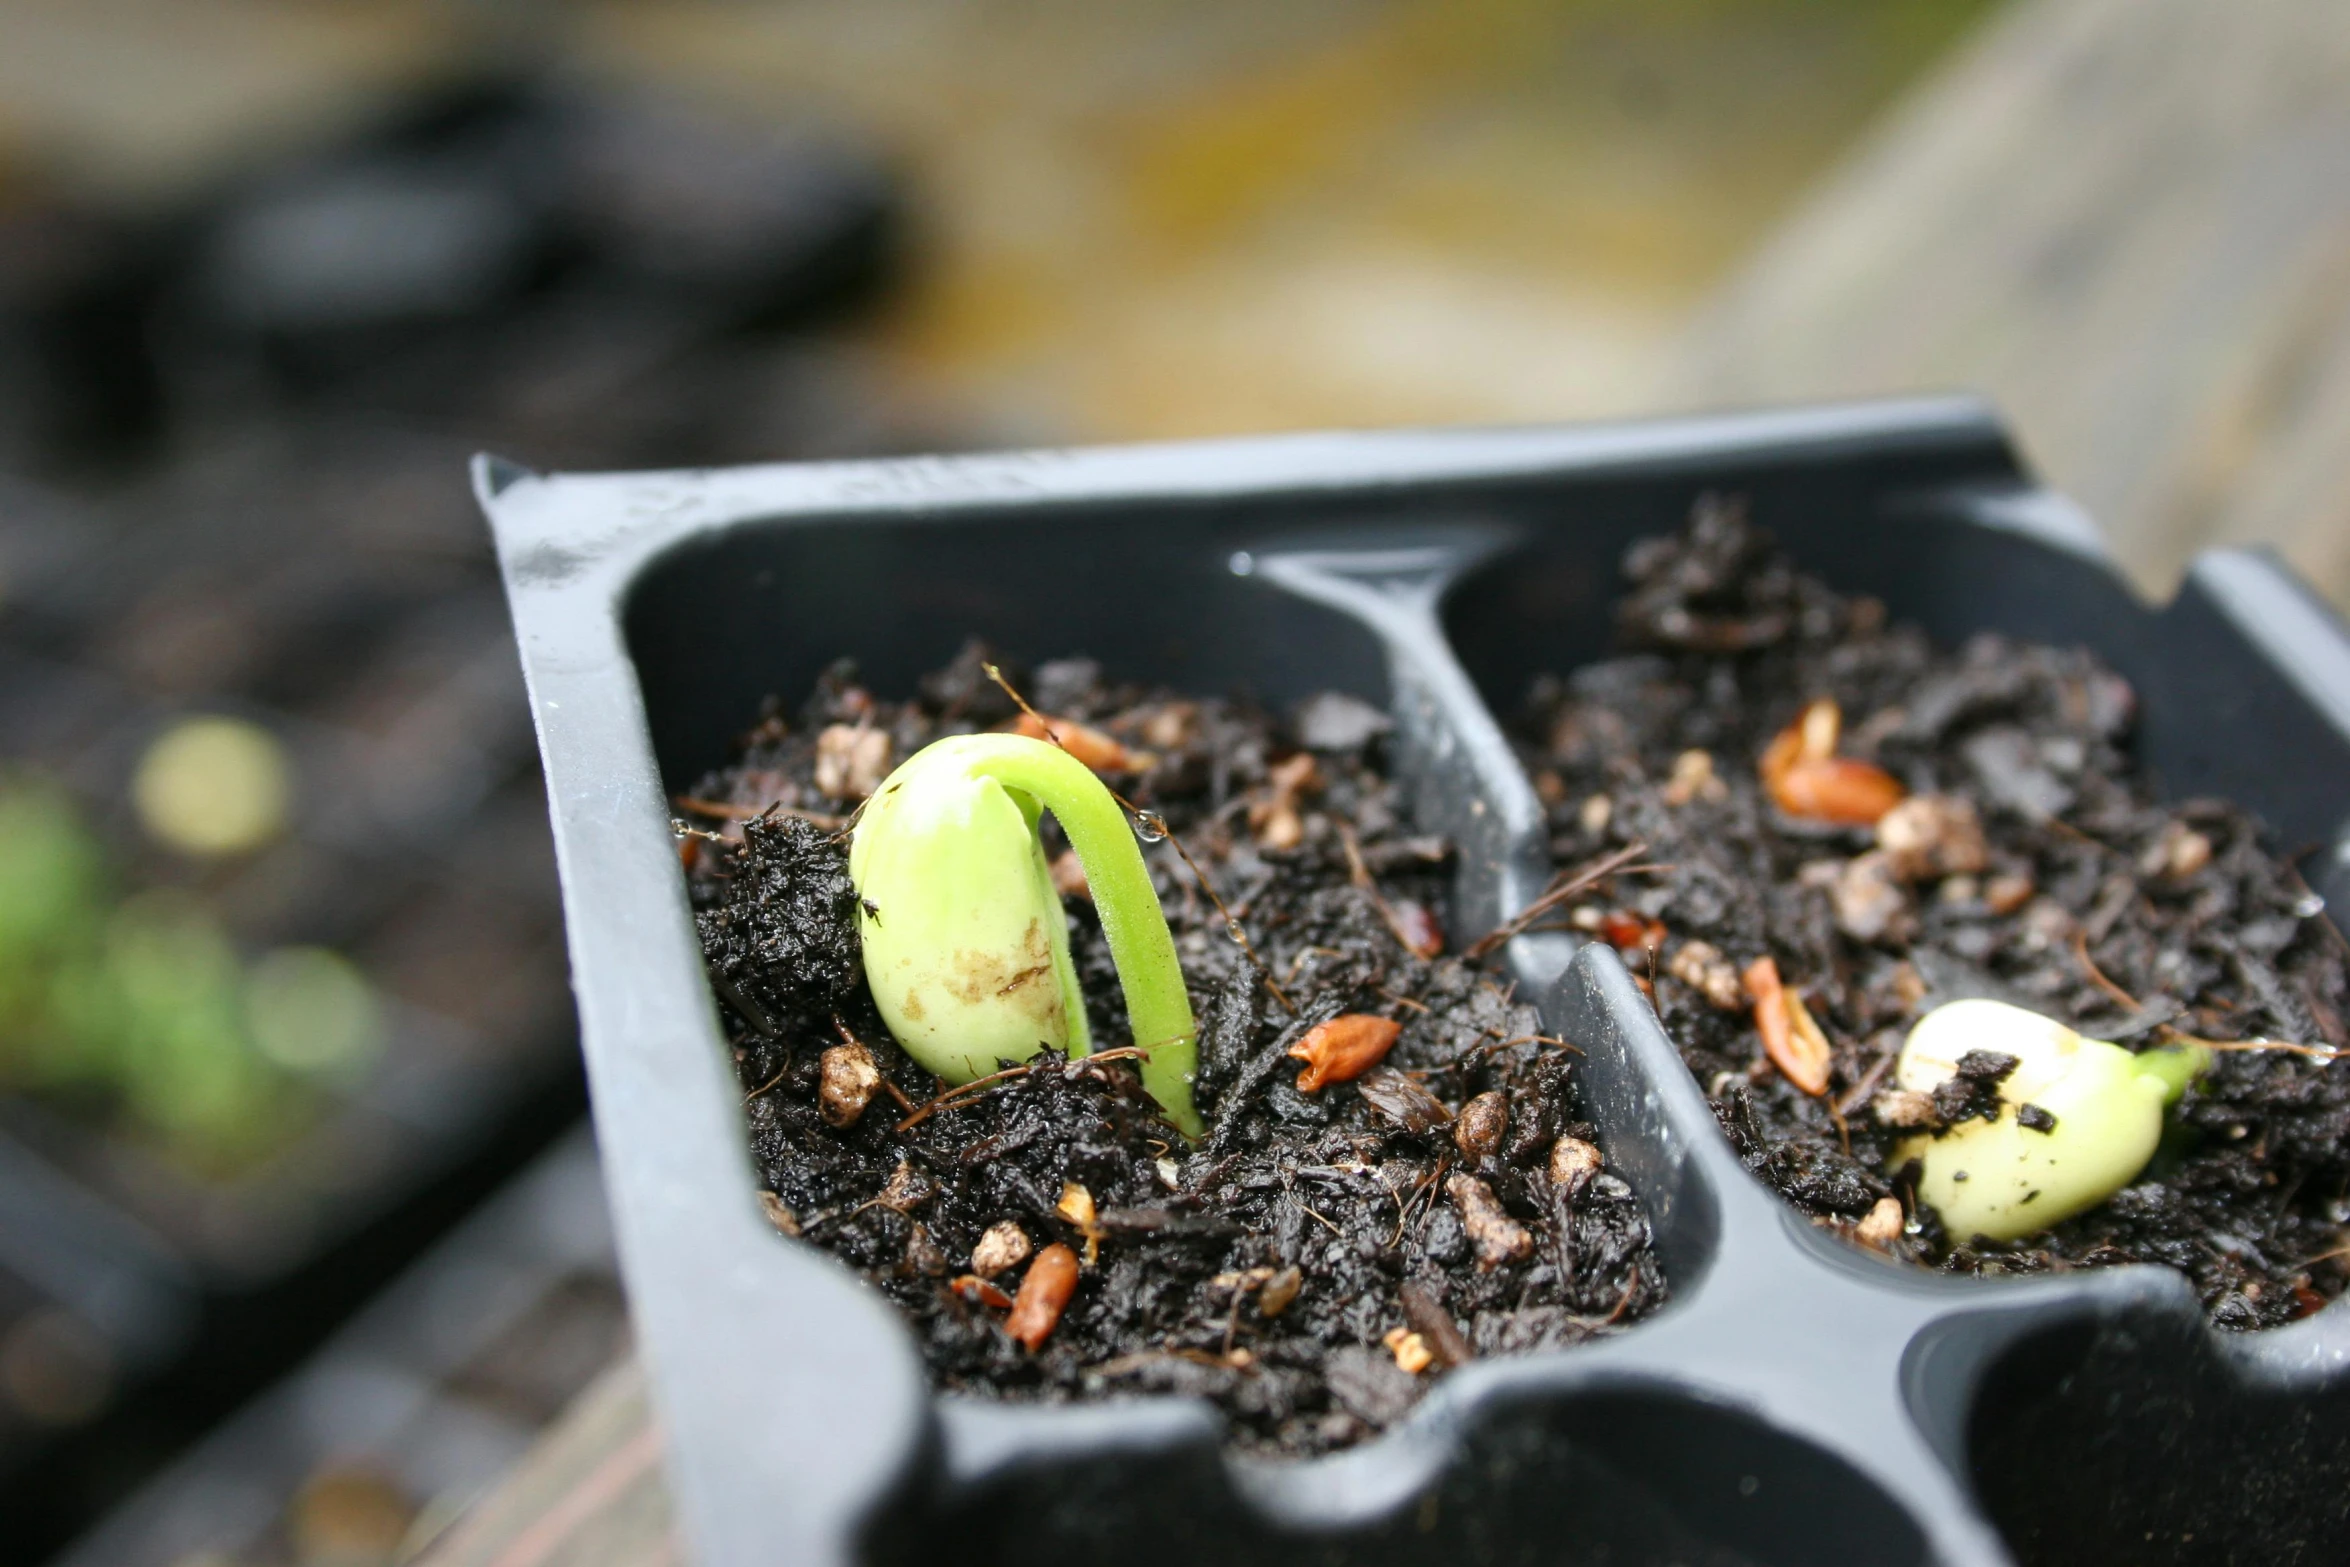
1191 217
2128 221
590 1494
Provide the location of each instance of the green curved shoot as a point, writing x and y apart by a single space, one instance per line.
966 946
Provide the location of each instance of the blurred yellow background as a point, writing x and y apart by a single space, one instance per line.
2125 220
1149 218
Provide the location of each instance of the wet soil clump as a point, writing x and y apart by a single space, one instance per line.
2033 862
1315 1245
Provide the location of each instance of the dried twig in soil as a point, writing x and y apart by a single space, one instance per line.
1360 875
727 812
2318 1053
1859 1092
1617 862
2097 976
962 1094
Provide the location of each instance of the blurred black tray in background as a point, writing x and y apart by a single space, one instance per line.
414 1407
415 848
232 481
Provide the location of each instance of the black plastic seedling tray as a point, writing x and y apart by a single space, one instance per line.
1799 1400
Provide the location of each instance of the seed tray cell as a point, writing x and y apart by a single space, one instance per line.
1799 1400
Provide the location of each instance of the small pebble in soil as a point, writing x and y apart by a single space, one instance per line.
848 1081
1004 1246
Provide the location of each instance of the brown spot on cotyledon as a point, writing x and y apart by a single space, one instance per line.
978 976
1027 976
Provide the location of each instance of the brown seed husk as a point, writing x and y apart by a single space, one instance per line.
1343 1049
1044 1293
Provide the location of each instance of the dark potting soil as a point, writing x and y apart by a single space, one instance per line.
2086 897
1269 1268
